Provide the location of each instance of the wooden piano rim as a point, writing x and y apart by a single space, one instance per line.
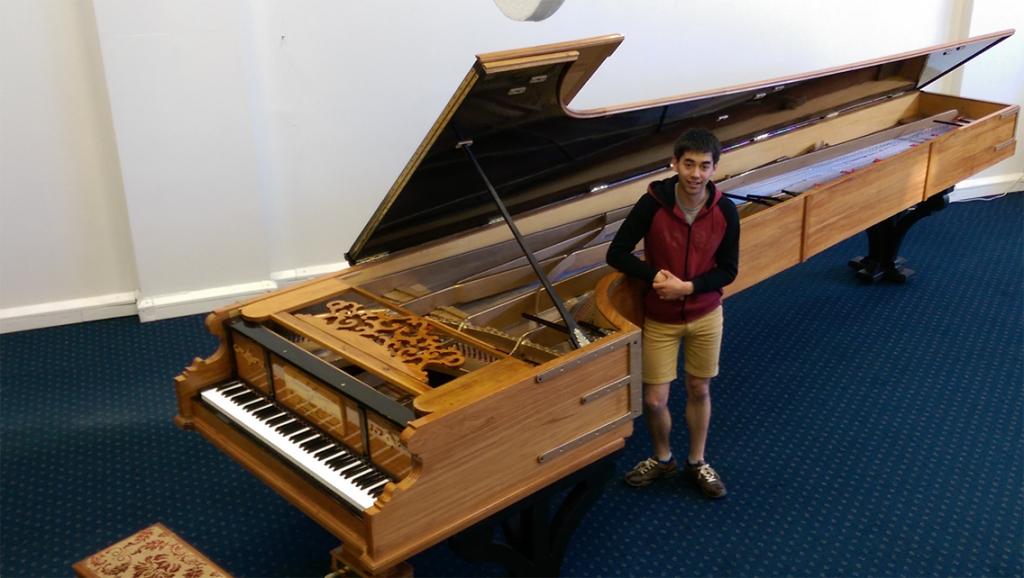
588 113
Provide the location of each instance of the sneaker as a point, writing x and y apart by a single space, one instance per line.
649 470
705 478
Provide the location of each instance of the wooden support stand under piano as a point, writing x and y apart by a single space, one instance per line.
437 382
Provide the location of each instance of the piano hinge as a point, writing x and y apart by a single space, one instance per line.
372 258
603 350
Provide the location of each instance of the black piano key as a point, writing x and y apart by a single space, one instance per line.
376 492
229 390
279 420
316 445
355 480
290 427
302 436
367 480
354 472
239 390
256 405
244 398
340 461
327 453
267 412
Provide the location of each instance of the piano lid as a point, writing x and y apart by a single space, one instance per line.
536 151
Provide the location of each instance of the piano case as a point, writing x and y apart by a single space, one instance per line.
440 365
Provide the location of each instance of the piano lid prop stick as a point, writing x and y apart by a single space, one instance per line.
748 199
764 198
562 328
576 335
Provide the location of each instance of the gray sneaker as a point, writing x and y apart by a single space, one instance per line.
705 478
649 470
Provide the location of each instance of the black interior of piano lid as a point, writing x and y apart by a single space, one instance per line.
535 155
532 153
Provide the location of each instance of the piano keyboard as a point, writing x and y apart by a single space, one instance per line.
332 464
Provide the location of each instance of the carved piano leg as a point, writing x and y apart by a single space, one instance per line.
534 541
885 238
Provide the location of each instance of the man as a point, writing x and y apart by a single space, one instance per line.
691 247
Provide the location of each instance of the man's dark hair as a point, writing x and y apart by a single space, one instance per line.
698 140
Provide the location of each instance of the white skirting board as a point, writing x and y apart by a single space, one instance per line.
988 187
67 312
204 301
151 308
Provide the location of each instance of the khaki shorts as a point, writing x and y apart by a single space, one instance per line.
702 344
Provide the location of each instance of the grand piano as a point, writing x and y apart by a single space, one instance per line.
479 350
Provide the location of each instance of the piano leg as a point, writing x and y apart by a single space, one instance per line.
885 238
534 541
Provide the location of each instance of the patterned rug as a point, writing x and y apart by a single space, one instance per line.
155 552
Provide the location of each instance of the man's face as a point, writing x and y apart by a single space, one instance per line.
695 170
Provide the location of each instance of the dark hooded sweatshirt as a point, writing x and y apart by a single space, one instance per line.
705 253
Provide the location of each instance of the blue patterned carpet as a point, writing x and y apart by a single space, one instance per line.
862 431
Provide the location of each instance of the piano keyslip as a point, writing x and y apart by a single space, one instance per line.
336 467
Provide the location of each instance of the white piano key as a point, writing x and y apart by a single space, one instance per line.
336 480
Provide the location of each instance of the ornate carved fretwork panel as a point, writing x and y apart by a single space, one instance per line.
403 338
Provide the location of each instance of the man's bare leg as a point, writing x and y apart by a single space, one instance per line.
698 415
658 418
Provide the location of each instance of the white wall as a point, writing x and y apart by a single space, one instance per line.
180 101
64 241
1001 79
346 90
255 138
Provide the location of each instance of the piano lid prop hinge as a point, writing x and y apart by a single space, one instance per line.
372 258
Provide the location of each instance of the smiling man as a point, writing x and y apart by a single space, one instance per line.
691 239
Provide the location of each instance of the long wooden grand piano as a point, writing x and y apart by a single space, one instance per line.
436 382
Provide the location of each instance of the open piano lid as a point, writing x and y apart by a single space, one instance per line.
536 151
